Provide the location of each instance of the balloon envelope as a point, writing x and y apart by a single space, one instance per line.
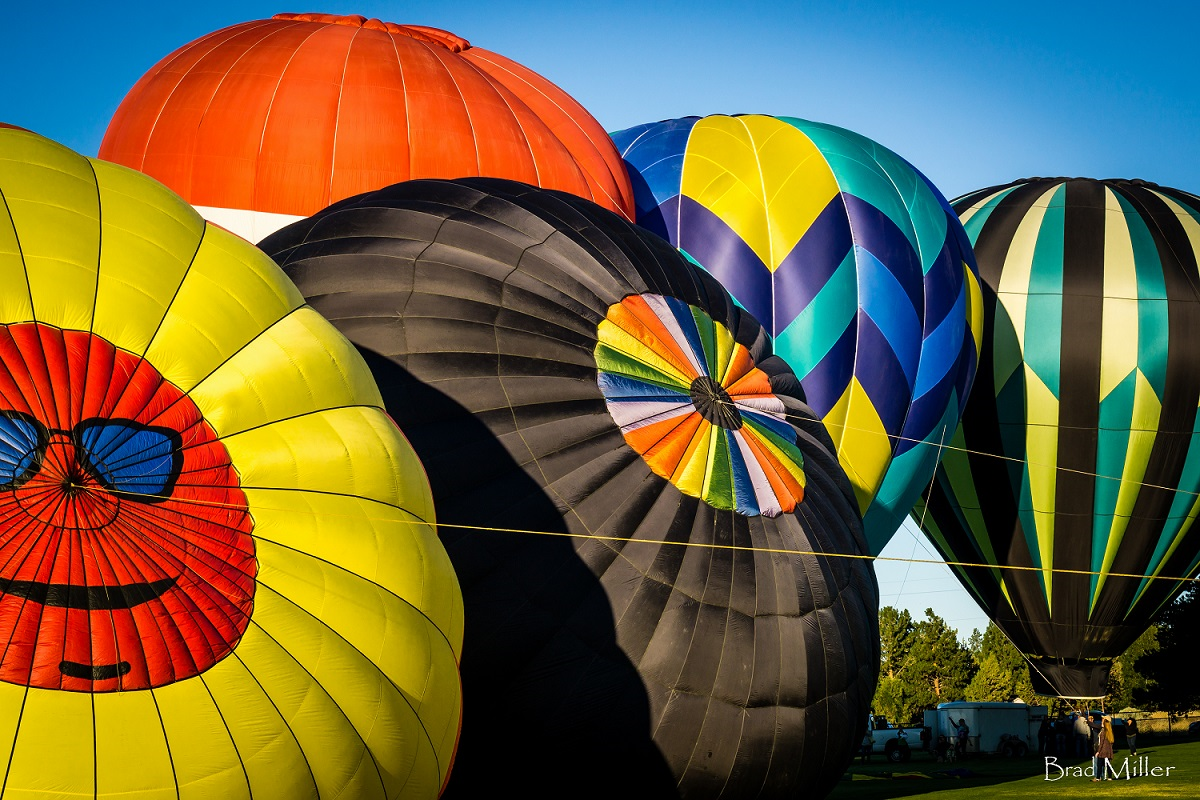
267 121
851 259
219 575
1078 457
633 496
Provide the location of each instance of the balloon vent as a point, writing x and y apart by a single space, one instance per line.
422 33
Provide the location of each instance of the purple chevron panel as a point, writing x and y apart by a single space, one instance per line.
804 271
706 238
881 375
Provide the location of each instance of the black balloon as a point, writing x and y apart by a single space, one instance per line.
638 624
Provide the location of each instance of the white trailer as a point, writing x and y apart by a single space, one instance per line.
1006 728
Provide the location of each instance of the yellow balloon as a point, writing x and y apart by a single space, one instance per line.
219 569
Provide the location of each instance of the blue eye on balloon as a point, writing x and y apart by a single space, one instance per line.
127 456
21 440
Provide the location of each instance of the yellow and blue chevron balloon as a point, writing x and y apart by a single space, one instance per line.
1077 461
854 263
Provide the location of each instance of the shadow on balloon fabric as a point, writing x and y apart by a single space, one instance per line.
530 600
599 385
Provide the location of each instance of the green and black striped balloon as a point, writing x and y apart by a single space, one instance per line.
1078 456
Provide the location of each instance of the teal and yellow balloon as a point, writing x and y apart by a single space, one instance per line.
219 569
852 261
1078 457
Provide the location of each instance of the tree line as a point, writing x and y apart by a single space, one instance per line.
923 663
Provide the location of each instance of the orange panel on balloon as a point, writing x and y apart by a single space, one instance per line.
287 115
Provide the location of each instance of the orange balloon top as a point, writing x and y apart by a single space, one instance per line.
290 114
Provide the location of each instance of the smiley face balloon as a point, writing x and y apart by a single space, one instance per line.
219 574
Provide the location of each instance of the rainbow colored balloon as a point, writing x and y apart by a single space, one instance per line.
854 263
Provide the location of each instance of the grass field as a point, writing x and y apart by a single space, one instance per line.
997 777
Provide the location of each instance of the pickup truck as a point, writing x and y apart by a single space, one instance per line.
895 742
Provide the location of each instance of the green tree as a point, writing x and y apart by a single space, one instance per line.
895 639
1168 673
939 668
893 696
1003 673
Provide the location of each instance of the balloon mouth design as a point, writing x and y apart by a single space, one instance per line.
126 560
691 401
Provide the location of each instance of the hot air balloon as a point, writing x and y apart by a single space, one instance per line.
219 574
853 262
635 500
1078 459
268 121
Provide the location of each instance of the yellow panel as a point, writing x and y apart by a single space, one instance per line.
692 471
629 345
965 216
15 305
1041 448
1119 335
725 347
1184 531
56 731
261 725
149 236
232 292
1147 410
387 546
313 453
194 727
12 697
762 177
131 750
52 199
281 645
1013 291
1186 220
864 449
710 459
299 365
958 471
389 671
974 310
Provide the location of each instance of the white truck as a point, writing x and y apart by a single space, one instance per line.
894 742
1008 729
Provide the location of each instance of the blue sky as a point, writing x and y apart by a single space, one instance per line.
973 94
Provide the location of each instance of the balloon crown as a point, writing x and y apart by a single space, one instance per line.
422 33
1063 178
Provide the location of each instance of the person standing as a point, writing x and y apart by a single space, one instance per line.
868 744
1083 734
1131 735
961 732
1104 750
1044 731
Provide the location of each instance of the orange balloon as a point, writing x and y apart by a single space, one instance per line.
288 115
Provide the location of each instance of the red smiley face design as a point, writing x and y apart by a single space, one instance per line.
126 560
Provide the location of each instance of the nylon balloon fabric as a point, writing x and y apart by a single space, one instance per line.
219 570
632 494
268 121
853 262
1079 453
